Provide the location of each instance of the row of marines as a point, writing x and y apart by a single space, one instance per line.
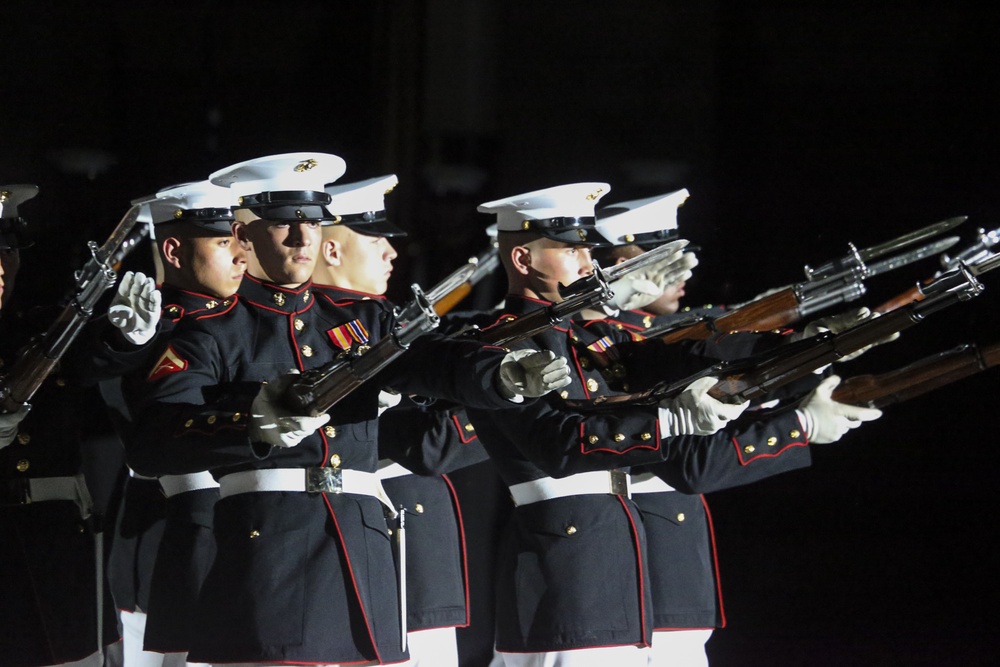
285 538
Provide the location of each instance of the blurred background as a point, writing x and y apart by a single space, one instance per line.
798 127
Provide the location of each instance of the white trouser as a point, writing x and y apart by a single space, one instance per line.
437 647
607 656
679 648
133 631
95 659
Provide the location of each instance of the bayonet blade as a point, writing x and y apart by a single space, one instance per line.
911 256
911 237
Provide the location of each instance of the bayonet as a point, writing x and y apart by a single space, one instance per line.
910 256
856 259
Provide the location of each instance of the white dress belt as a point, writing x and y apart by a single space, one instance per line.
57 488
174 485
598 482
306 480
647 482
388 469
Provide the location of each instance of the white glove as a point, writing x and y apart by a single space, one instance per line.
826 420
387 399
532 373
694 412
837 323
273 424
643 287
9 422
135 309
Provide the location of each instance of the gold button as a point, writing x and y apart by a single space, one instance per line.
335 460
188 423
593 439
307 351
585 363
330 431
279 298
525 225
592 384
254 533
574 338
212 304
469 427
619 437
173 310
571 530
646 436
795 433
23 438
749 449
647 321
226 302
236 416
388 531
305 297
772 441
418 508
211 419
563 394
620 326
23 465
681 517
299 324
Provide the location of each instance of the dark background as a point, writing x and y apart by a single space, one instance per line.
797 126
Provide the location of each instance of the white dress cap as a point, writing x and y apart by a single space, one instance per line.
563 213
283 187
361 206
652 220
200 203
13 229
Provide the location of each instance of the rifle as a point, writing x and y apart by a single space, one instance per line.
39 359
587 292
920 377
457 286
754 377
970 255
832 283
316 391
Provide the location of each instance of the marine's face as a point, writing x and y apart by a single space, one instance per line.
10 264
282 252
215 264
553 263
669 302
363 262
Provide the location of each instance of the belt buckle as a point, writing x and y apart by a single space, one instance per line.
15 492
619 483
324 480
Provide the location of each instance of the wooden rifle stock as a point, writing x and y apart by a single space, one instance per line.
452 298
755 377
919 377
317 390
900 300
770 312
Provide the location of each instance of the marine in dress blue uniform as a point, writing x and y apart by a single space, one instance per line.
299 575
56 607
687 598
